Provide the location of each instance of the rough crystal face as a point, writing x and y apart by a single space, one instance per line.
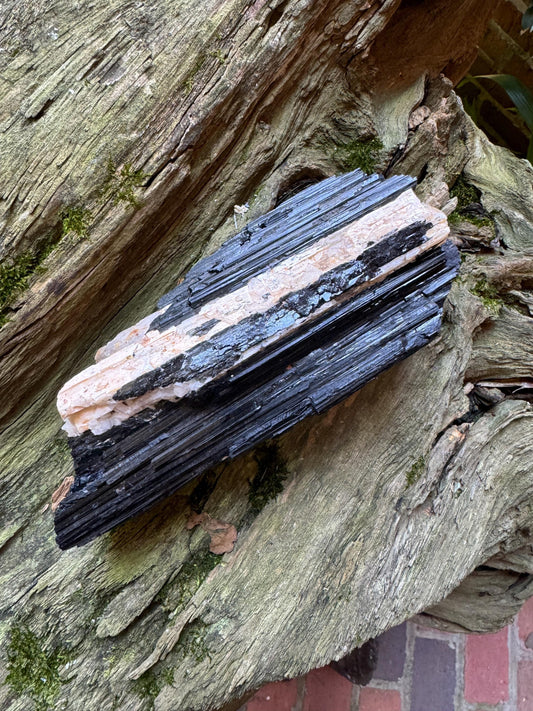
294 313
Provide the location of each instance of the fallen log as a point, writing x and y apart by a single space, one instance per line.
292 315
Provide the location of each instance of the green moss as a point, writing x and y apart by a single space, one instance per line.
219 55
479 221
188 83
416 471
118 654
14 276
32 671
192 642
457 217
465 193
168 676
77 220
177 593
149 685
271 473
60 443
489 296
16 273
119 185
362 154
60 449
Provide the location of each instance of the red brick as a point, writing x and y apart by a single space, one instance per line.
280 696
498 47
487 668
482 66
525 620
525 686
326 690
379 700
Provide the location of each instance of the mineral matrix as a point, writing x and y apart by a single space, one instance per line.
296 312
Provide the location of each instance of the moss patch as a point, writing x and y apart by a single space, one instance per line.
465 192
188 83
219 56
119 185
489 296
149 685
468 205
513 302
76 220
415 472
16 273
176 594
31 670
192 642
271 473
459 216
60 444
363 154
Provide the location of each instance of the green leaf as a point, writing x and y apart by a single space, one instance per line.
527 19
519 94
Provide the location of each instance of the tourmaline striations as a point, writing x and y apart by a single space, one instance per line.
296 312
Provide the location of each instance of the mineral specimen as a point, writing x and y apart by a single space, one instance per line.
300 309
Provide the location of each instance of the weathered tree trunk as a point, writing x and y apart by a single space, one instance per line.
130 131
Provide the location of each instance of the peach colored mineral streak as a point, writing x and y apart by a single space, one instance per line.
86 401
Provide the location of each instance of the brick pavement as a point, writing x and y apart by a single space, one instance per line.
422 669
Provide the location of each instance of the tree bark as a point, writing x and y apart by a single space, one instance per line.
142 125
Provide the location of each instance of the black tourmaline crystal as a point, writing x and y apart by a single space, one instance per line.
296 312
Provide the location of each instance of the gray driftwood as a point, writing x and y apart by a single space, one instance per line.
392 500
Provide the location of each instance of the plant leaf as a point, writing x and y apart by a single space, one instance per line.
527 19
518 92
